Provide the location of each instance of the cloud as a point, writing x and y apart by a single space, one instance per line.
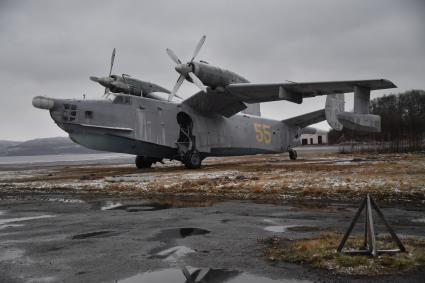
52 47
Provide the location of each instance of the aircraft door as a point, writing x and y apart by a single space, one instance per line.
143 131
186 141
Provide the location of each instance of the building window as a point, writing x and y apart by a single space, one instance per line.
311 140
319 139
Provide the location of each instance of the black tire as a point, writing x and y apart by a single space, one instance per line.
142 162
193 160
293 154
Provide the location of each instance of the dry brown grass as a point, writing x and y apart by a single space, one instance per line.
321 252
389 177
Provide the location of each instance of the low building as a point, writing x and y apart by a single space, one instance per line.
320 137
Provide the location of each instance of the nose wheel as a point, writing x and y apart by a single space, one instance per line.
192 160
143 162
292 154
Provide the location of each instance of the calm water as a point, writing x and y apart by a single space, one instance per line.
34 159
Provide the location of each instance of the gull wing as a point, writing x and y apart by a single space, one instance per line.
231 99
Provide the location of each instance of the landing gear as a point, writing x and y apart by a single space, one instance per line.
292 154
192 160
186 144
143 162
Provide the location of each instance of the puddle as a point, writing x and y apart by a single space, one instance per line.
204 275
96 234
19 219
135 207
419 220
174 253
149 205
65 200
303 229
279 229
180 233
110 205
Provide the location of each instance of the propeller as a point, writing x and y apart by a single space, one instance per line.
186 69
106 93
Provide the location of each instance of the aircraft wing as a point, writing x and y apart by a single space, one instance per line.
232 99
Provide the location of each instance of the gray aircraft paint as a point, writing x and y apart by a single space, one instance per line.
149 127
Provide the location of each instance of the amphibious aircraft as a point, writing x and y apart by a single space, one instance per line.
210 122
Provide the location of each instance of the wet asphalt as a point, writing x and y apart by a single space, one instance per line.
72 238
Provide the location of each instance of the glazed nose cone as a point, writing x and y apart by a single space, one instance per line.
42 102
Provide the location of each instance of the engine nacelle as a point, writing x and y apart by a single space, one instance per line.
213 76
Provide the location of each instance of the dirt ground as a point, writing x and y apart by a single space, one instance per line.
324 176
114 223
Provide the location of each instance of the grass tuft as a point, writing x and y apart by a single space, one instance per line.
321 252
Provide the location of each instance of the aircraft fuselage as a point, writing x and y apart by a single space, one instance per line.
148 127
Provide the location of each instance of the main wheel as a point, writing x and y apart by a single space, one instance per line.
293 154
193 160
143 162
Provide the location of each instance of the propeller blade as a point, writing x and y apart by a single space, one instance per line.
112 61
198 47
197 82
176 87
173 56
186 273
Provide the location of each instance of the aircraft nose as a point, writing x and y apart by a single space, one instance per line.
42 102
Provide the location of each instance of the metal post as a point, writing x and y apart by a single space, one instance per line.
366 224
371 229
393 234
341 245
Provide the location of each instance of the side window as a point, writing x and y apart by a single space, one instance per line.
70 112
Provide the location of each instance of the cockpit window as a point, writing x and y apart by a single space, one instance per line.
122 99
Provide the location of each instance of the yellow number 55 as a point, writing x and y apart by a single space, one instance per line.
262 133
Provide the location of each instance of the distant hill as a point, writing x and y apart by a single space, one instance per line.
4 145
58 145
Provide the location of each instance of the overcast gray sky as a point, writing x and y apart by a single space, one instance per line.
51 47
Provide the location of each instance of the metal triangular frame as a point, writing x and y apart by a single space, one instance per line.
369 244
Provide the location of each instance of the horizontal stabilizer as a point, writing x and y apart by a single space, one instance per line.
360 122
306 119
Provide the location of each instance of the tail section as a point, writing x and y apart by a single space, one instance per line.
359 120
